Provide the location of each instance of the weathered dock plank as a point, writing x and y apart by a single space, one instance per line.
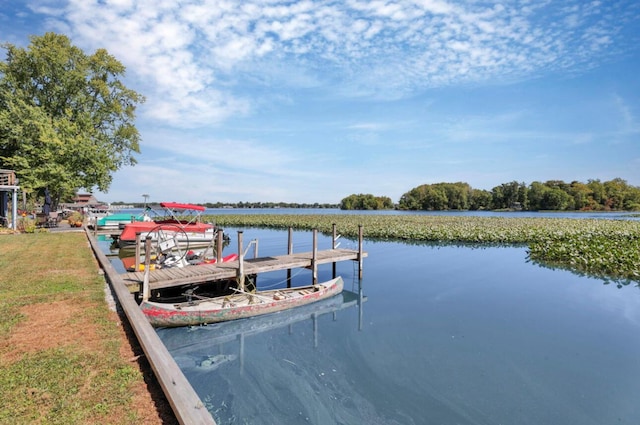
171 277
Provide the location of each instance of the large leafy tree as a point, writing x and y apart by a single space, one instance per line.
66 119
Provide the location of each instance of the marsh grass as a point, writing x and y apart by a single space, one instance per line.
60 346
603 248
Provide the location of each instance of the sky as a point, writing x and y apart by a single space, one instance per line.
312 101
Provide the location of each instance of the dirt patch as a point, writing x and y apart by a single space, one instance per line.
58 324
50 325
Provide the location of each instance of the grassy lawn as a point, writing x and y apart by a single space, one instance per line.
65 357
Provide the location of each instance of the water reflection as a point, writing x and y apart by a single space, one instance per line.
200 347
228 363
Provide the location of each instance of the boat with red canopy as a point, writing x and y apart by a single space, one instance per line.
177 224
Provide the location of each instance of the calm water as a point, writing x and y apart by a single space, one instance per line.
433 335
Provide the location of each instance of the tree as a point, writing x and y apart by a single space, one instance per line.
536 194
582 196
616 191
509 195
366 202
66 120
556 199
480 199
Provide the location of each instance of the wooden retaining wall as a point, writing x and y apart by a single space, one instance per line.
184 401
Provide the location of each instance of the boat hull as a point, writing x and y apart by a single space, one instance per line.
237 306
118 221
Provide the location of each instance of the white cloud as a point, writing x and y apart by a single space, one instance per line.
384 49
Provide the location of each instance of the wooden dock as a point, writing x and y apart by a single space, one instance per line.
187 406
179 276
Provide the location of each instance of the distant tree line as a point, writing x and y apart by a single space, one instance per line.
267 205
241 205
613 195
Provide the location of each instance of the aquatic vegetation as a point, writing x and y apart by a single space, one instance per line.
613 256
604 248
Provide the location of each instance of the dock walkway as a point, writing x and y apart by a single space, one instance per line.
177 276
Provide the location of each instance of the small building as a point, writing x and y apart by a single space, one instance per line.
85 202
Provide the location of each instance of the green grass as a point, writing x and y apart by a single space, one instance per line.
78 381
603 248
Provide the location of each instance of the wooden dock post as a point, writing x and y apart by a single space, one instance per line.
314 257
334 238
240 276
360 251
146 291
137 259
219 243
289 252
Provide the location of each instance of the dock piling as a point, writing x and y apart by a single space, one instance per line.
289 252
240 276
219 242
360 251
314 257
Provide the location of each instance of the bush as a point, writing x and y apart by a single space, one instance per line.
26 225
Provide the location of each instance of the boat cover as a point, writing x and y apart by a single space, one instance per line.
179 206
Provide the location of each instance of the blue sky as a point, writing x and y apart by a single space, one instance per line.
311 101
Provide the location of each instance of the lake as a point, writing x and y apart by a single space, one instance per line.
431 335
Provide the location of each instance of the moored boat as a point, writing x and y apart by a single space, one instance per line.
188 232
115 221
203 310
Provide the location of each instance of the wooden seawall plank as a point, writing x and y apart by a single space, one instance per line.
184 401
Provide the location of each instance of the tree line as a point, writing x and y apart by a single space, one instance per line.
240 204
556 195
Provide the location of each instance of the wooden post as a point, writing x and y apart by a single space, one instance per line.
137 259
219 243
255 255
333 246
314 257
360 301
360 251
289 252
240 275
146 292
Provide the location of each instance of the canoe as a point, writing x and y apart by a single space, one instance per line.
240 305
207 339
